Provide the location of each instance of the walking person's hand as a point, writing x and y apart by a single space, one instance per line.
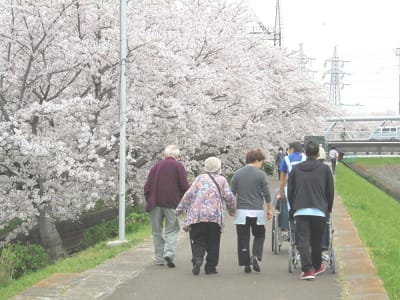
269 213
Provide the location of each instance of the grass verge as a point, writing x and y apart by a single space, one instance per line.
376 216
373 161
79 262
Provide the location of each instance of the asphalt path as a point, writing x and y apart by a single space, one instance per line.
273 282
133 275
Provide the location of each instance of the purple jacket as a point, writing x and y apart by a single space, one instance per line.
166 184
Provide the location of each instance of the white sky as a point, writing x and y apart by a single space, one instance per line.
366 33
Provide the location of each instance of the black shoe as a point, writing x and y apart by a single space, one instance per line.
256 266
196 268
247 269
170 264
211 271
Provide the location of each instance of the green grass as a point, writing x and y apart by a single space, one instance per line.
80 262
376 216
373 161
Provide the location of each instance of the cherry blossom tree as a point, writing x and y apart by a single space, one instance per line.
195 78
53 146
217 89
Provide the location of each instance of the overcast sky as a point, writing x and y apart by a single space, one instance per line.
366 33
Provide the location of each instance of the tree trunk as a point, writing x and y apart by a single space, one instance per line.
49 235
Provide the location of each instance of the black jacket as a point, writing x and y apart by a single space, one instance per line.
310 185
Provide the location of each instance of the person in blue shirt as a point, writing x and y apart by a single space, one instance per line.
310 193
295 156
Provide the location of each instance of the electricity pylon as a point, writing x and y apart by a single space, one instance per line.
336 73
303 61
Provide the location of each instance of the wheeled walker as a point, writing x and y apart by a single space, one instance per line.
280 230
294 255
328 251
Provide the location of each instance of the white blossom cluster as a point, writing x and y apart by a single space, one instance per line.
195 77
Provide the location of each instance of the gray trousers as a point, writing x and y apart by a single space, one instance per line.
165 235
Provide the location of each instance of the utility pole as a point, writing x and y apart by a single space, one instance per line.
122 118
278 25
271 33
398 54
304 60
122 124
336 74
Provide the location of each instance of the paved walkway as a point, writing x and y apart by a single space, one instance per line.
132 274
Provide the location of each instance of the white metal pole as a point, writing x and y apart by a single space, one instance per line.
122 114
398 54
122 123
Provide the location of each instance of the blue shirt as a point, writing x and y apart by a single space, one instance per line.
309 212
294 157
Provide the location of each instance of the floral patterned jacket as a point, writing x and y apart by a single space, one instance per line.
202 201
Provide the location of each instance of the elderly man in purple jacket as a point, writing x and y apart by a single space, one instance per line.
164 188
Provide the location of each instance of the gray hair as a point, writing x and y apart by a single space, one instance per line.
212 165
171 150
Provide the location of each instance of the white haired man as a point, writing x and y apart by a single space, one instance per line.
164 188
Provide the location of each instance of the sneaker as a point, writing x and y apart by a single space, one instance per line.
320 270
196 268
308 275
256 266
169 261
247 269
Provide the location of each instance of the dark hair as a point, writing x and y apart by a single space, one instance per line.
312 148
254 155
296 146
280 148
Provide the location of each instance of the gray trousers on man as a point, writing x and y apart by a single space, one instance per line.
165 240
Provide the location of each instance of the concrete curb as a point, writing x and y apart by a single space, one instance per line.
97 283
357 273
